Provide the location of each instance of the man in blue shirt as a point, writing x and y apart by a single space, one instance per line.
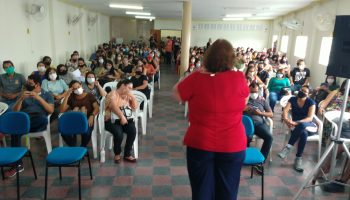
38 104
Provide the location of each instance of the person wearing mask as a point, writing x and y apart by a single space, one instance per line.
263 74
92 86
302 109
119 119
321 93
62 72
54 84
140 82
118 60
299 76
215 145
100 70
41 70
11 84
258 108
38 104
72 64
78 100
275 86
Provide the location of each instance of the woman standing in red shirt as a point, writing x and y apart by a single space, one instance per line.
215 139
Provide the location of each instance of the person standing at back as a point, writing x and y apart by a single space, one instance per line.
168 50
215 139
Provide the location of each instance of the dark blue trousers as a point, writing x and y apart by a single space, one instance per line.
214 176
300 133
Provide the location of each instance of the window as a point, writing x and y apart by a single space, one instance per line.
326 46
300 46
284 43
274 39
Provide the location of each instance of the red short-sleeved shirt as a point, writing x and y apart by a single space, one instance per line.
216 104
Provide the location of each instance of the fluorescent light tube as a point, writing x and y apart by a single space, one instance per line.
137 13
232 19
145 17
239 15
125 6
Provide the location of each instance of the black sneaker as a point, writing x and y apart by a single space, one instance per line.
334 187
12 171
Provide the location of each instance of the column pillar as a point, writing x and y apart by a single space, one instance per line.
186 35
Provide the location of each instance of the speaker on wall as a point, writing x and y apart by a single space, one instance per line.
339 58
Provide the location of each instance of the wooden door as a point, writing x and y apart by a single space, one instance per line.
156 35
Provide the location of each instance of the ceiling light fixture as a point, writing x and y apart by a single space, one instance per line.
232 19
145 17
137 13
239 15
125 6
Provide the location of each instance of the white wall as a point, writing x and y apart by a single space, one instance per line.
334 7
238 36
25 40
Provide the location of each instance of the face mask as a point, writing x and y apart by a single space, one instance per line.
119 58
282 62
79 91
90 80
192 61
53 76
47 63
10 70
138 72
109 67
29 87
81 66
63 72
279 75
100 61
42 68
301 67
330 80
260 69
198 65
253 95
301 94
74 60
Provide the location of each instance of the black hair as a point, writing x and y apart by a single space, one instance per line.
335 80
36 78
81 59
40 62
7 62
73 82
123 82
46 57
253 84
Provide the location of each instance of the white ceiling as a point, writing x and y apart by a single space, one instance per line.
201 9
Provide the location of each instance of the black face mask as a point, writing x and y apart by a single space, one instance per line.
64 72
29 87
260 69
138 72
47 63
301 94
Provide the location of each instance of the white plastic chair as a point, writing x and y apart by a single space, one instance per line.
93 137
313 138
150 101
112 85
331 116
140 97
186 109
46 134
104 134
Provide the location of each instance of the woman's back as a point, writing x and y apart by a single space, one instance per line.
216 102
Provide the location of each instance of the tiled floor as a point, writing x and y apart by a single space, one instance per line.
160 172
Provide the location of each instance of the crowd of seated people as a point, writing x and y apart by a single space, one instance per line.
77 86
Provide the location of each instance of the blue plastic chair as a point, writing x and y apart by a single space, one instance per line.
253 155
70 123
14 123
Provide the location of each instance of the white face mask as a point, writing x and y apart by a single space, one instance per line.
198 65
109 67
79 91
253 95
302 67
42 68
53 76
100 61
279 75
90 80
330 80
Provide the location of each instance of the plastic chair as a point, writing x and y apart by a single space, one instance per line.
253 155
186 109
112 85
10 156
140 97
104 134
45 133
150 101
70 123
